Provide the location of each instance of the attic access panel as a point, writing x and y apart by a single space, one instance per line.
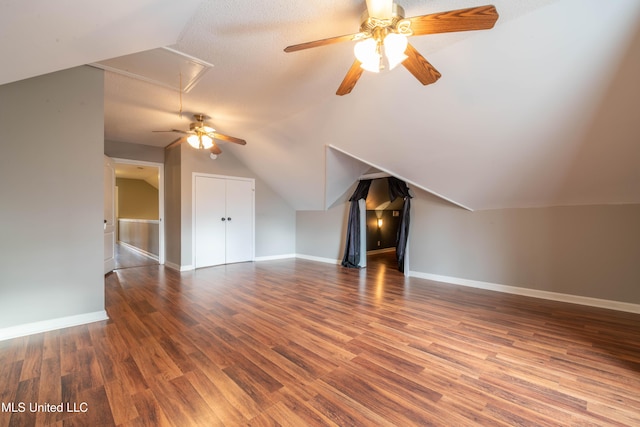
162 66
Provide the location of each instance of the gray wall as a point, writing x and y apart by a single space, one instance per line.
322 234
275 220
172 207
140 152
591 251
51 213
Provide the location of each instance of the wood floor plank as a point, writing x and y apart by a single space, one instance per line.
343 410
235 394
26 393
296 342
50 389
224 410
129 374
122 406
148 408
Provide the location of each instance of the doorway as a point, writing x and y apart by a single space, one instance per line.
381 225
355 249
139 211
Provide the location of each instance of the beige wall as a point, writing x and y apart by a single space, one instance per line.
137 199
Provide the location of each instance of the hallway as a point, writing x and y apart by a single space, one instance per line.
127 258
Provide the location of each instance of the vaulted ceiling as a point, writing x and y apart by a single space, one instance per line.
544 109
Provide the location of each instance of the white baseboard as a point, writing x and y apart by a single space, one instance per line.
51 325
274 257
172 265
139 250
319 259
177 267
535 293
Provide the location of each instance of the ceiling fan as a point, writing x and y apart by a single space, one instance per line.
202 135
382 39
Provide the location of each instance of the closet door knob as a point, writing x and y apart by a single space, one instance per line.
229 218
223 219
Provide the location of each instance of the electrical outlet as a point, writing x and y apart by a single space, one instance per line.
378 242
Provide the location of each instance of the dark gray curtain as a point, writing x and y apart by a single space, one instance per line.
352 247
398 188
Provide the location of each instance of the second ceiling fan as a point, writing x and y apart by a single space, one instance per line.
202 135
382 39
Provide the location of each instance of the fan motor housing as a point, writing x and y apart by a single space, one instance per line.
201 127
368 24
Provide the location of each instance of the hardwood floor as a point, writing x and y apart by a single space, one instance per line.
127 258
295 342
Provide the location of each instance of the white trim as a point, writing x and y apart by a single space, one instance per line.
179 268
160 166
194 175
274 257
400 177
376 175
380 251
319 259
189 85
535 293
172 265
141 221
51 325
362 210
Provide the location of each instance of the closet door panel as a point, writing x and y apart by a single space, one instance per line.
239 241
209 224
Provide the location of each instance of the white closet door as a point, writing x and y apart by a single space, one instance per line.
239 241
210 220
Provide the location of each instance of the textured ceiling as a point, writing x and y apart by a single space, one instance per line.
41 36
541 110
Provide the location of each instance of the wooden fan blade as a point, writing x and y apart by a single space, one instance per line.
174 130
350 79
228 138
215 149
420 67
174 143
323 42
473 18
381 9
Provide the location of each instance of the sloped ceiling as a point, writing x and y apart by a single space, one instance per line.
541 110
42 36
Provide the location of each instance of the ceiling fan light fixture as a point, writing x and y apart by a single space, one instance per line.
200 141
381 42
394 47
367 52
376 56
201 127
201 136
